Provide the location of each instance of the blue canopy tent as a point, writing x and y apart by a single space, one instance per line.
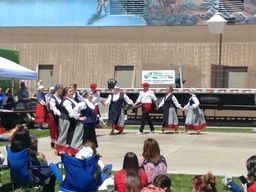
13 71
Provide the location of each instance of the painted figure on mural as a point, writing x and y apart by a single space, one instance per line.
102 3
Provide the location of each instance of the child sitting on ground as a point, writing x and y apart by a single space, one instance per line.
88 150
40 156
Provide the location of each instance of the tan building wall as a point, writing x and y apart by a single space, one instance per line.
89 54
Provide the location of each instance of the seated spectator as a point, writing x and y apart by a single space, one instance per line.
40 156
20 141
131 177
229 184
9 100
161 183
151 161
102 175
204 183
8 136
2 96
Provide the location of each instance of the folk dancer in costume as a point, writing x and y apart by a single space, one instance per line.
76 96
116 114
54 113
96 99
145 98
41 108
85 130
49 95
195 118
169 104
67 123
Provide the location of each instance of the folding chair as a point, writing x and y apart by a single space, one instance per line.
79 174
21 171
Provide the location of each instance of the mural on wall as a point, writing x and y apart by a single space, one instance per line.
65 13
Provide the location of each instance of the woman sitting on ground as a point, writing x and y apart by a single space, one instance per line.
204 183
161 183
131 178
151 161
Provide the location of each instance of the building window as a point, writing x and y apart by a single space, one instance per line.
45 73
124 75
235 77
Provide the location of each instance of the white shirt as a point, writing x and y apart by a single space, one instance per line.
196 102
174 99
67 104
96 98
116 97
80 106
146 97
53 105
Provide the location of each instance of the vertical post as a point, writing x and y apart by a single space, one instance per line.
181 79
133 75
220 80
60 74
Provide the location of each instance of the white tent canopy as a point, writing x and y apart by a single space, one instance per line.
10 70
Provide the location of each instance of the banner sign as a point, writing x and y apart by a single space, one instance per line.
158 76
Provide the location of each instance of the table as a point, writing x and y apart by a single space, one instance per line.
9 118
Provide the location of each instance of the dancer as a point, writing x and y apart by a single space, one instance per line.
54 113
169 102
116 109
195 119
84 113
76 96
41 108
145 98
67 124
95 100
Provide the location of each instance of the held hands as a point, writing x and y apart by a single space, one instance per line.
82 118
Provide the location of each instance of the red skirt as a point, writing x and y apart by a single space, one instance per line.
41 116
53 128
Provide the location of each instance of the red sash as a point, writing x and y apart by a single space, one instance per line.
96 110
147 106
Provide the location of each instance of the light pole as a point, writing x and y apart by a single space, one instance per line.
216 26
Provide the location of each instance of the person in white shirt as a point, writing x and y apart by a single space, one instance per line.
96 100
67 123
169 104
84 113
49 95
195 118
145 98
116 113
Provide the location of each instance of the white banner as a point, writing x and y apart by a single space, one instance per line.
158 76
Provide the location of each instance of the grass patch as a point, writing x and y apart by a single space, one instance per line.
180 183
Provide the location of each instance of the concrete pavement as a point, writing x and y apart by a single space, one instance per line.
185 153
